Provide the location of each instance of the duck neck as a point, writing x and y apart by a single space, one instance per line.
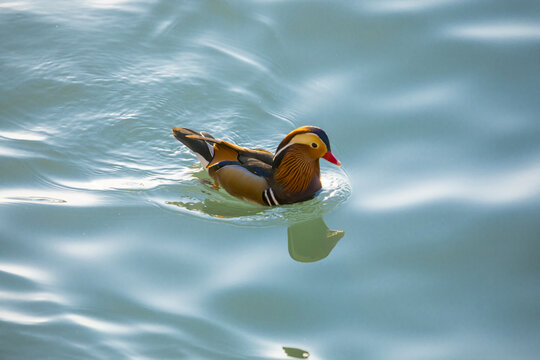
296 172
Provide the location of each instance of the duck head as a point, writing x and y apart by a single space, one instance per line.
316 142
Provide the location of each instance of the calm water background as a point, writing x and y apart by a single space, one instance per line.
113 245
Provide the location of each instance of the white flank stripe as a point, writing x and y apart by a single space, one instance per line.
273 197
265 192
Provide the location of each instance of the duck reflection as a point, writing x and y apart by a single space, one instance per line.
312 240
217 209
309 240
295 353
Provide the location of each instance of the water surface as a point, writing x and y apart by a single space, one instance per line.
114 245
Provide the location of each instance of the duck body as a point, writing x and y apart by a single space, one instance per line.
290 175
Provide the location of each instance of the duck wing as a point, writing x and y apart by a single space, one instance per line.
197 143
255 166
224 150
242 172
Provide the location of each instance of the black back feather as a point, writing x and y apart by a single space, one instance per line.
196 145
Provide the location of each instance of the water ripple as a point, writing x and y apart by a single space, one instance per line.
49 197
27 272
518 31
89 250
390 6
14 317
506 188
413 99
23 135
100 326
232 52
118 183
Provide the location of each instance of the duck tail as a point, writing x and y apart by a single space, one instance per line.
196 142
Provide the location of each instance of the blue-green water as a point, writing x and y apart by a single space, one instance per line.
113 244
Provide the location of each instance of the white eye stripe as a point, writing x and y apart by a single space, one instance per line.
283 148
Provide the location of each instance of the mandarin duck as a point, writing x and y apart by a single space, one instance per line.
258 176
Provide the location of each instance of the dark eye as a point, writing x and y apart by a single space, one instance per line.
314 145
